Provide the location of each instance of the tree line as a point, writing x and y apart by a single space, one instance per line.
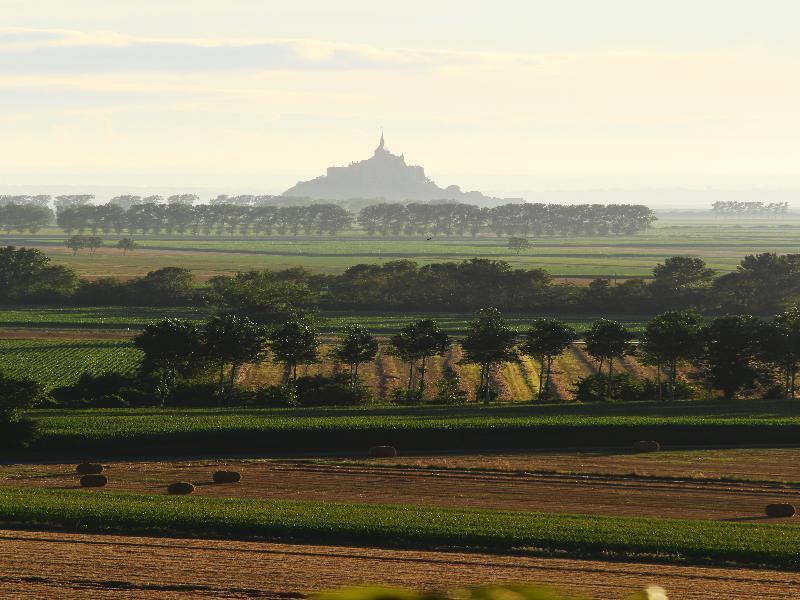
738 209
180 216
730 355
762 284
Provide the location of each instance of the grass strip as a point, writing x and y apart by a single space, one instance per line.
395 526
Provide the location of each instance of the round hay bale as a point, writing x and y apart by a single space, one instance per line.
93 480
647 446
89 468
780 510
383 452
227 477
180 488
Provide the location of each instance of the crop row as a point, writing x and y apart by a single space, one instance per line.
54 363
403 526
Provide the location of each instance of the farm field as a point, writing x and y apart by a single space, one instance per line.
775 465
721 244
137 317
403 526
55 363
42 564
378 483
154 432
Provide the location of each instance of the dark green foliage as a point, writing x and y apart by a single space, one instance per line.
780 347
317 390
172 348
294 343
731 346
356 346
449 388
489 340
276 395
16 395
89 388
231 340
26 276
621 387
416 343
545 340
670 340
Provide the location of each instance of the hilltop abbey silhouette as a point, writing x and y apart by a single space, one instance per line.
382 176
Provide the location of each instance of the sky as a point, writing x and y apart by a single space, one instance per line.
503 97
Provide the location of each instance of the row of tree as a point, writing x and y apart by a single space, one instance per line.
762 284
738 209
730 353
416 219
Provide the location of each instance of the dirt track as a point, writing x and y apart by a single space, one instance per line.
377 483
54 565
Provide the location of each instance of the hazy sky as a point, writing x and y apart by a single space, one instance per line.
501 96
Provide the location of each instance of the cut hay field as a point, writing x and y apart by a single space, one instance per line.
403 526
380 481
721 243
60 362
43 565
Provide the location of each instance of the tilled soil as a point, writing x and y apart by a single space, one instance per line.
385 484
56 565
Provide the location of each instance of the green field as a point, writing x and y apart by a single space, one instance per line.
720 242
403 526
241 430
54 363
136 317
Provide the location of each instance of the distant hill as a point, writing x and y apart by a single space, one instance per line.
383 176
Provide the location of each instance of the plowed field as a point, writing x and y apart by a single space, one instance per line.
54 565
379 484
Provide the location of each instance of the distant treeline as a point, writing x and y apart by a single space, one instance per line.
180 216
762 284
737 209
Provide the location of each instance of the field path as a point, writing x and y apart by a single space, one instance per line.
56 565
384 484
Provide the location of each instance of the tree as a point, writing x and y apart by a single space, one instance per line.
264 296
419 341
294 343
17 395
780 346
169 286
545 340
680 280
231 340
489 340
76 243
607 340
93 242
518 244
171 347
669 339
357 346
126 245
731 346
448 388
27 275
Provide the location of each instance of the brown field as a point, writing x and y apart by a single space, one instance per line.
385 484
56 565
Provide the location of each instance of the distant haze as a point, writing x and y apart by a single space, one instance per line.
675 102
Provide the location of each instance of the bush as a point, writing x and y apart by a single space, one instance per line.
110 401
276 395
136 397
17 433
402 396
448 388
620 387
196 394
90 387
317 390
